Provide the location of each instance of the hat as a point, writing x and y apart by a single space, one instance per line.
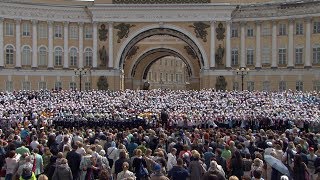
157 167
311 149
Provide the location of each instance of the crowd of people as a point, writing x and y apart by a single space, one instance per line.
160 134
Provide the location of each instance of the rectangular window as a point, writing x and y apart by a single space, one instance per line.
88 32
299 28
149 76
316 27
266 86
58 31
42 85
299 54
26 29
235 86
250 86
87 86
250 31
266 30
177 77
234 57
316 85
249 56
171 77
282 56
42 30
166 76
26 85
73 86
155 76
282 86
234 31
9 55
299 86
166 62
282 29
265 55
9 86
58 85
73 32
161 76
9 29
316 55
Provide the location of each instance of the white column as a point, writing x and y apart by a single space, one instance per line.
50 45
80 45
34 44
94 46
243 44
258 45
1 44
212 44
307 61
274 63
18 44
110 34
228 45
66 46
290 44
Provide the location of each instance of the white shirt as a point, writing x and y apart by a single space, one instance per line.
112 153
81 151
126 174
172 161
34 144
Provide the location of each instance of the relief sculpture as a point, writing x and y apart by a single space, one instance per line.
124 30
200 30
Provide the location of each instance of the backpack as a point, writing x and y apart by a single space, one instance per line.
143 172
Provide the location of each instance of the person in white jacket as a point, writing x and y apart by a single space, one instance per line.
172 160
125 174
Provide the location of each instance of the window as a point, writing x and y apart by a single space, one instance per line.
26 85
58 85
235 86
58 31
42 56
58 56
166 76
299 28
73 32
250 86
234 31
9 55
9 86
160 61
9 29
266 30
266 86
161 76
172 62
42 85
316 55
73 56
234 57
73 86
172 78
88 32
282 29
26 56
177 77
299 86
316 27
25 29
87 86
282 86
265 55
166 62
250 32
149 76
88 56
249 56
43 30
299 53
282 56
316 85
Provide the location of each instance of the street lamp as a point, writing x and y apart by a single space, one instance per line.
242 72
80 72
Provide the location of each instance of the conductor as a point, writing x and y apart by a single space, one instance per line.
164 118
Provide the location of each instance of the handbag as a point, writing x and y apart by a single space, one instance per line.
3 172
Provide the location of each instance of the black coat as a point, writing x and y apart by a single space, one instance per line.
74 160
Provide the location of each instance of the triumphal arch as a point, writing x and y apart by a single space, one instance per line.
276 43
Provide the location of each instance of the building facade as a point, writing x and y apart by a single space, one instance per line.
42 43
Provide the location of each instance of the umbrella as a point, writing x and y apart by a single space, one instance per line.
277 164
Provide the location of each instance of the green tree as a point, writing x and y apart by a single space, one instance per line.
102 83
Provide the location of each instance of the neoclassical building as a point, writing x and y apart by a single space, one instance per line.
43 42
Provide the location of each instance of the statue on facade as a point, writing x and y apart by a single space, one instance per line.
103 56
220 31
124 30
103 33
146 85
221 83
219 55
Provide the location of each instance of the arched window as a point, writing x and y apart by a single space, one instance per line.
9 55
42 56
73 57
58 56
88 56
26 56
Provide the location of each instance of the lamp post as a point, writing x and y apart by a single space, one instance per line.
242 72
80 72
